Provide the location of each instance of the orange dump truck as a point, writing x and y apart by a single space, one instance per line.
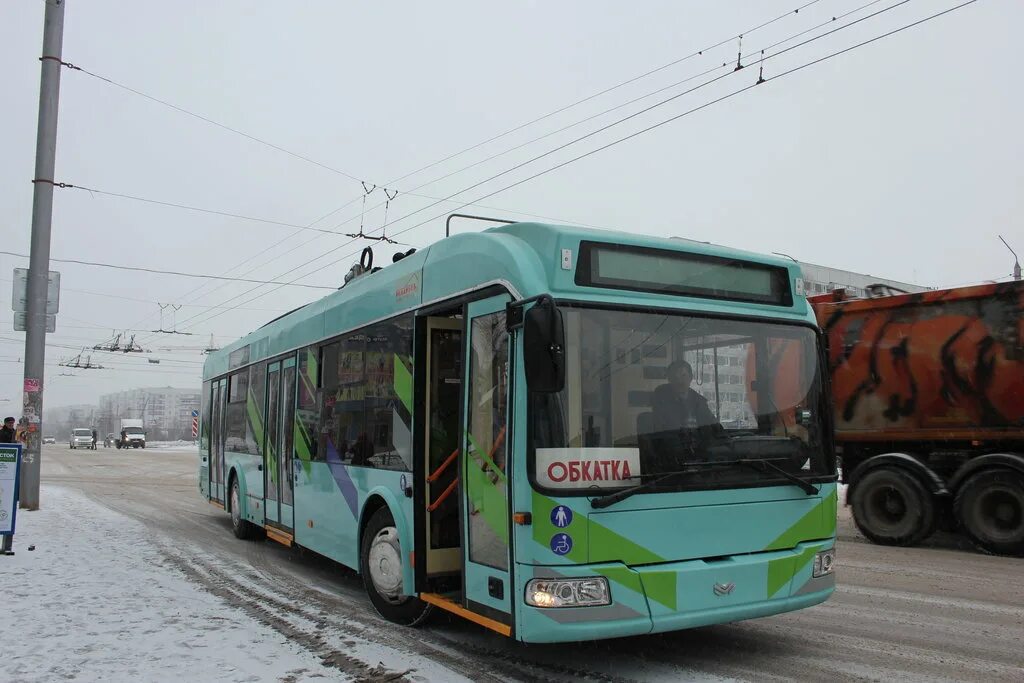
928 402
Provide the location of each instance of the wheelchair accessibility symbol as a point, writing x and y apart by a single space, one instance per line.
561 544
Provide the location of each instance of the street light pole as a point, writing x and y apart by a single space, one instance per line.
39 256
1016 261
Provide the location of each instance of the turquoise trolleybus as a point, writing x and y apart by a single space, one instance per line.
560 434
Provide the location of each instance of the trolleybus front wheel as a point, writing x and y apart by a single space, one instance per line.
381 563
242 528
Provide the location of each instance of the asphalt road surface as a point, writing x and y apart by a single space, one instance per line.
939 612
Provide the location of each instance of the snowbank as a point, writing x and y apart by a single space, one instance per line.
95 601
179 446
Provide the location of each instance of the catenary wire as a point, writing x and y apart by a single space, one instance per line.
674 118
546 116
163 272
571 142
581 101
698 108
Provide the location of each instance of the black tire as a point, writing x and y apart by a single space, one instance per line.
990 509
242 528
381 536
892 507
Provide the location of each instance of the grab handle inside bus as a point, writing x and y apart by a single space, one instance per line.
544 347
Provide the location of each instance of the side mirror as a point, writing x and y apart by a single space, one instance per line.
544 347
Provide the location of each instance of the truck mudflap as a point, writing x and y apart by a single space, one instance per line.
677 595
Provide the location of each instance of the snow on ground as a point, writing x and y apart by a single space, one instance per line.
96 601
179 446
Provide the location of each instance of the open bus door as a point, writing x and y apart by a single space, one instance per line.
441 431
463 557
484 471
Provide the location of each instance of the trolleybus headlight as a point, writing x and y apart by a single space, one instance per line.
589 592
824 562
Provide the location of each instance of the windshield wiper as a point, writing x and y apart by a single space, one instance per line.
761 465
613 498
768 466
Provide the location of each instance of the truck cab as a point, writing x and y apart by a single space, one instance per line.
133 434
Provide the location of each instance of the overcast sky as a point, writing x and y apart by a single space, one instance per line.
900 159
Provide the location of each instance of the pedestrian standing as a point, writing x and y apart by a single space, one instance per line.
8 433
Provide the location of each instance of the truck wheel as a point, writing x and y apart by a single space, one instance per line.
380 559
891 507
243 528
990 508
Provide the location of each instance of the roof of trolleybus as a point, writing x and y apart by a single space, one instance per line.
527 259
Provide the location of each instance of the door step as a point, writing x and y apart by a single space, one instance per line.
447 605
283 537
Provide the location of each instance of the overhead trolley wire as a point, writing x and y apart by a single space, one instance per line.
664 122
438 201
164 272
651 107
325 254
607 90
597 131
610 89
724 65
206 119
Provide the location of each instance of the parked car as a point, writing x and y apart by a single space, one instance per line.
81 438
49 439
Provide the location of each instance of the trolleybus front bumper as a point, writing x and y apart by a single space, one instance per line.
678 595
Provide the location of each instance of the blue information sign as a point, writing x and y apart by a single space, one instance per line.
10 469
561 544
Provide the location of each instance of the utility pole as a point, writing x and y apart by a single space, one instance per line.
39 256
1016 261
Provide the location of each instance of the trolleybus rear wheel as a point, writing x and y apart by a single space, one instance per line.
381 564
891 507
990 508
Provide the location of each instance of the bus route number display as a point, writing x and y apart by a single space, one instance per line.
573 468
10 460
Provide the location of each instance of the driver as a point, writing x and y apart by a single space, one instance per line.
677 406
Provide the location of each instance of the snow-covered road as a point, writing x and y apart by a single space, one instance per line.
930 613
96 600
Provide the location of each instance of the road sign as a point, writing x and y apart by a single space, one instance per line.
19 292
21 321
10 464
195 427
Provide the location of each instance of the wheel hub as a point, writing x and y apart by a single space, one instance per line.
385 565
236 514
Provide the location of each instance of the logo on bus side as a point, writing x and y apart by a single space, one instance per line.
411 286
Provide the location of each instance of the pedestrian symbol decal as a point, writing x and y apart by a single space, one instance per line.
561 544
561 516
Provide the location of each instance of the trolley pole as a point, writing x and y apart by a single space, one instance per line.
39 257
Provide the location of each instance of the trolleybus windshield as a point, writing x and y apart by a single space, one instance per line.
649 393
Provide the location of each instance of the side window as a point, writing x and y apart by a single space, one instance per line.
486 484
366 380
234 413
387 403
307 408
255 420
